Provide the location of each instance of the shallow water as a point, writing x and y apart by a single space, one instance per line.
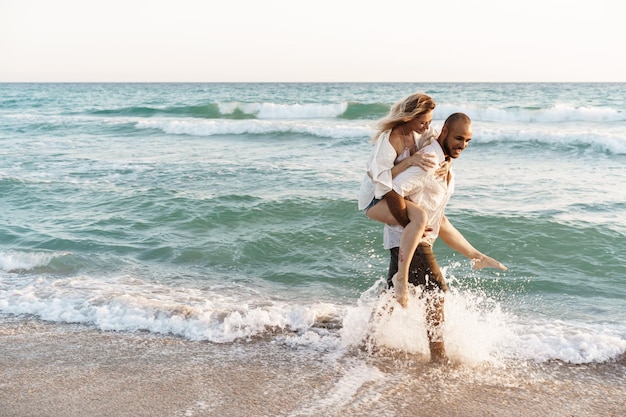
223 213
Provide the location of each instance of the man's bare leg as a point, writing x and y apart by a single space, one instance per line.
434 322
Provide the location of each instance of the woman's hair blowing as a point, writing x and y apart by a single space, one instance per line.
405 110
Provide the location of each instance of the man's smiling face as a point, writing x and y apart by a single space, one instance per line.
458 137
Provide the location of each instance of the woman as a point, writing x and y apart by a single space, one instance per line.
398 140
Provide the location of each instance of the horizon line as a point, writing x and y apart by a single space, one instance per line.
312 82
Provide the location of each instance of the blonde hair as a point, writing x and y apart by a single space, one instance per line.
403 111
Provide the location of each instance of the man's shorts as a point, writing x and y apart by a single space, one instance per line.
424 270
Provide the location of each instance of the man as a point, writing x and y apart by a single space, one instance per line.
432 194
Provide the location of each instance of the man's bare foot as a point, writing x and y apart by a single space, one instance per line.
438 353
401 289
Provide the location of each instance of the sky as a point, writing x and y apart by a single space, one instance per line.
312 41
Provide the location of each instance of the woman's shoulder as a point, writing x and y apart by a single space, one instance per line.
396 140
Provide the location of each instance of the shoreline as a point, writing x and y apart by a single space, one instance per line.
69 370
54 369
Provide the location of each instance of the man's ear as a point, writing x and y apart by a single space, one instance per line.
444 131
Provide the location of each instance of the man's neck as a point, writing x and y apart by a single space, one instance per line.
445 154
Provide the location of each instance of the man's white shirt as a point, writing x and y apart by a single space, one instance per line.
430 193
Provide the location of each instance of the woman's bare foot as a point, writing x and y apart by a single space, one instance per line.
401 289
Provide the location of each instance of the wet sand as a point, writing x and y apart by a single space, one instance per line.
71 370
64 370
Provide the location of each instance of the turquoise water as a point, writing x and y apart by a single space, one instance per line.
224 212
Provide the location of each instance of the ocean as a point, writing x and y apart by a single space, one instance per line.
225 216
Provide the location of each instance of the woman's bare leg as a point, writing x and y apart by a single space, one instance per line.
397 207
381 213
411 236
